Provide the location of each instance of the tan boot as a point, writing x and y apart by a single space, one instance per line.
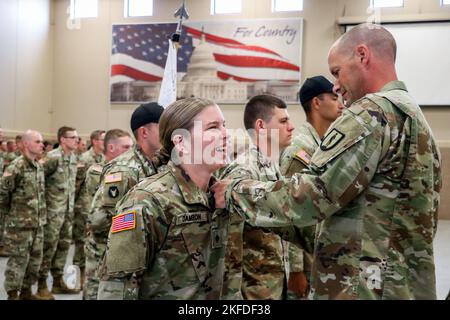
26 294
43 293
60 287
12 295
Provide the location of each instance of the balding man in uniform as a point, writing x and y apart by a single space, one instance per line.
374 182
22 196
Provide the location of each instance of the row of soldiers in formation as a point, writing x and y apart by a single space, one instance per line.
348 211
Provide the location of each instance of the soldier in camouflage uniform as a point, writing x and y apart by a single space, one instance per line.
120 175
168 241
22 196
60 167
116 142
2 213
83 199
265 254
15 151
374 183
322 107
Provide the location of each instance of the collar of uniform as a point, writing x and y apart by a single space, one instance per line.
262 159
147 165
97 157
192 194
65 156
33 163
313 132
394 85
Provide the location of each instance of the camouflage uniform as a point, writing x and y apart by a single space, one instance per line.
22 195
295 159
265 254
2 211
118 176
375 183
11 156
175 248
83 202
60 174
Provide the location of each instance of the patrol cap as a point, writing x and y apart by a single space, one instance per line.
312 87
144 114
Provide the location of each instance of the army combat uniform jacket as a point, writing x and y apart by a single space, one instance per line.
295 159
265 254
375 183
167 242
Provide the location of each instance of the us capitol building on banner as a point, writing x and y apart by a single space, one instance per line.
201 80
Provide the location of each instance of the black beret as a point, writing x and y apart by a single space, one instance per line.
145 113
312 87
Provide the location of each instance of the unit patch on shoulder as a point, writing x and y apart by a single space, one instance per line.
124 221
114 177
192 217
303 156
331 140
113 192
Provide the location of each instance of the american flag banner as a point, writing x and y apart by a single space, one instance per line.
124 221
245 57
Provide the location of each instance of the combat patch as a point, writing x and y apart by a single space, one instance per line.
303 156
114 177
124 221
331 140
192 217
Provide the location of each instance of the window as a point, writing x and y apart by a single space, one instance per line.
226 6
386 3
83 9
138 8
287 5
444 2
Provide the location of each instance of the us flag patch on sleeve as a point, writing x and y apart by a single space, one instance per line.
124 221
114 177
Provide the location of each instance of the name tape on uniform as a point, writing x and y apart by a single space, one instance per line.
192 217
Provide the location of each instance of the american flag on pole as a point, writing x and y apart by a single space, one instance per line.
124 221
245 51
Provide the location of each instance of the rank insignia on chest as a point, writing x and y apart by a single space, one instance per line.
114 177
113 192
331 140
303 156
124 221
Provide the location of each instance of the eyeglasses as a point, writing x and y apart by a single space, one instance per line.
74 137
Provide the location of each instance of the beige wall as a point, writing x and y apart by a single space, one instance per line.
26 64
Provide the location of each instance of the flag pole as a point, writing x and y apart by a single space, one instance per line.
168 91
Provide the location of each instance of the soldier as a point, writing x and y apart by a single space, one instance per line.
22 194
116 142
81 147
83 199
60 166
374 181
125 171
168 241
265 254
2 213
322 107
15 148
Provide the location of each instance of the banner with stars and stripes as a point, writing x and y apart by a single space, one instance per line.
234 60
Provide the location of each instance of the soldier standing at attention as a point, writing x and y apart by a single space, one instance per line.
60 166
322 107
125 171
168 241
265 254
83 200
22 195
374 182
116 142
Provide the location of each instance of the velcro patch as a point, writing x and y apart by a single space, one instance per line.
303 156
192 217
331 140
124 221
114 177
97 168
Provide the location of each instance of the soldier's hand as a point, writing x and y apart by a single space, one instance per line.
298 284
219 189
